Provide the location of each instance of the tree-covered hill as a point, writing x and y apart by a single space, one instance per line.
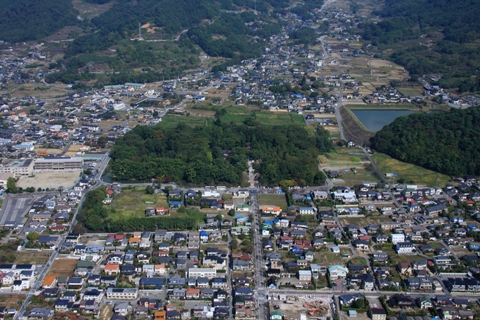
447 142
22 20
431 36
218 154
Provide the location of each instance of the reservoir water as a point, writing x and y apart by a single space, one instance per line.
375 120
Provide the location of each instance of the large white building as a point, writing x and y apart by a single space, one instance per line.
202 272
397 237
122 293
23 167
59 163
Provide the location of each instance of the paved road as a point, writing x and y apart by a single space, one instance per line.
258 256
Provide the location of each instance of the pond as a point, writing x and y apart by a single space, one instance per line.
375 120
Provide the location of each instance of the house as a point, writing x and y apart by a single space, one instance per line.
112 269
337 271
381 238
424 302
305 275
276 315
402 301
360 244
378 314
397 237
405 247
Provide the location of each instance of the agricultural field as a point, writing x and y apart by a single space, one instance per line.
411 91
409 173
63 267
132 203
277 200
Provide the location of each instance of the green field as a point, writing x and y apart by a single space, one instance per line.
411 91
235 115
171 121
410 173
132 204
353 179
342 156
278 200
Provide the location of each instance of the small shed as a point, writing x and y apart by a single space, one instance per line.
352 313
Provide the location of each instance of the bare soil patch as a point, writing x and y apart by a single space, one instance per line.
63 267
50 179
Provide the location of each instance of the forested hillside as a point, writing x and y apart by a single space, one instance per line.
22 20
446 142
218 154
431 36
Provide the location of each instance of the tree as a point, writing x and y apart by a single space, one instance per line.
12 185
359 303
231 212
149 190
79 229
33 236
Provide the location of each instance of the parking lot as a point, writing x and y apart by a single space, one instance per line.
14 209
340 284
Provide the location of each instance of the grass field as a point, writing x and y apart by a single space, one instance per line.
362 175
32 257
410 172
278 200
411 91
62 267
345 157
235 114
328 258
171 121
132 204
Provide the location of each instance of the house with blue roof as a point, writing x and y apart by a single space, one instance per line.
175 203
204 236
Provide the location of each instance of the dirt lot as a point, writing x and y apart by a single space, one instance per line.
36 257
63 267
12 301
55 151
50 179
363 221
293 310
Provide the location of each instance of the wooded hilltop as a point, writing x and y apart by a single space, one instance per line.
446 142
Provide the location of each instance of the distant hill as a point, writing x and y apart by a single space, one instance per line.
446 142
431 36
22 20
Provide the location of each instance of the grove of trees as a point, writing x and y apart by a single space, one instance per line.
197 155
446 142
